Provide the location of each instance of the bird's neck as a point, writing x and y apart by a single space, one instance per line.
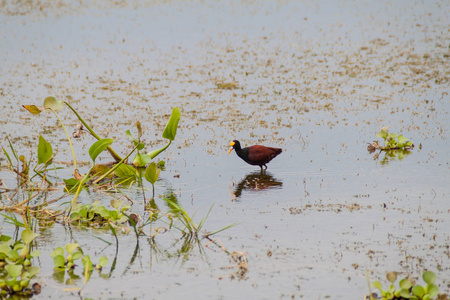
242 153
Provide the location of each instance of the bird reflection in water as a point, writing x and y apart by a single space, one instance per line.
257 181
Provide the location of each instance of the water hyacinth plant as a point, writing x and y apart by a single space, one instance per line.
16 261
392 141
407 288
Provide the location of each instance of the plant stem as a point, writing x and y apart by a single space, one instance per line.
91 131
68 138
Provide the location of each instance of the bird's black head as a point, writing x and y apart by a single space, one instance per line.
234 145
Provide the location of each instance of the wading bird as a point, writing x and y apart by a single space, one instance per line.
256 155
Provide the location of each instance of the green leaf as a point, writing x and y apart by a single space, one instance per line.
87 261
77 255
171 128
402 139
4 238
45 151
391 136
103 261
14 270
51 102
426 297
382 134
128 134
57 251
418 291
404 293
33 271
98 147
35 253
59 261
405 283
28 236
377 285
13 255
35 110
141 160
429 277
135 141
125 171
71 247
71 184
432 290
152 173
154 153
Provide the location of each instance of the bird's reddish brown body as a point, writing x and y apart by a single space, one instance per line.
256 155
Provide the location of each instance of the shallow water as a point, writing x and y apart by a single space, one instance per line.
318 80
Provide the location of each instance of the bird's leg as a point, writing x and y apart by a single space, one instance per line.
265 167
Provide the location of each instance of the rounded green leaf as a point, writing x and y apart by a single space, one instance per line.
76 255
59 261
418 291
426 297
404 293
51 102
14 270
405 283
103 261
28 236
33 271
377 285
382 134
402 139
98 147
57 251
71 247
13 255
432 290
171 128
429 277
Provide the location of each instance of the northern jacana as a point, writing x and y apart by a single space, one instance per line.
256 155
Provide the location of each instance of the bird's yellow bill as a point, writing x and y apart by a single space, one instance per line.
231 144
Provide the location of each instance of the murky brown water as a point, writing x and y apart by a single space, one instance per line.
316 79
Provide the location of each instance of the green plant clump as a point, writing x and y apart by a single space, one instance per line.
97 215
73 253
392 141
16 269
408 289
